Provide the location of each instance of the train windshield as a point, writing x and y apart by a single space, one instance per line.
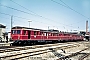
16 31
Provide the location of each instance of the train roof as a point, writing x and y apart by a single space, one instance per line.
26 28
50 30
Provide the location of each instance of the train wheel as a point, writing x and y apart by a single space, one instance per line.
0 39
11 44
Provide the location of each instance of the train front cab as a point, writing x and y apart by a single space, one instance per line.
24 36
87 37
16 36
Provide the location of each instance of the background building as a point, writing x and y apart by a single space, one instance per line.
2 33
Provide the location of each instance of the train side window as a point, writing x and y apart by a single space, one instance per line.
35 33
13 31
64 34
41 33
18 31
54 34
24 32
51 34
45 34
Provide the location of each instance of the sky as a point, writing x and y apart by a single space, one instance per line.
64 15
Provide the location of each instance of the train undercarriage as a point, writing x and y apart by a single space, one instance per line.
38 42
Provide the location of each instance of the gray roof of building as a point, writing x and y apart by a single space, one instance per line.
2 26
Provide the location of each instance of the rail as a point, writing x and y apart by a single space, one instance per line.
22 52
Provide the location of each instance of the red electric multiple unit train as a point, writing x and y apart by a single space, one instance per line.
24 35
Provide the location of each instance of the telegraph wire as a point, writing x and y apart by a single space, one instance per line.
33 14
10 16
31 11
21 11
4 17
24 8
25 18
69 8
5 14
74 10
38 14
14 16
16 9
29 19
49 25
58 3
65 5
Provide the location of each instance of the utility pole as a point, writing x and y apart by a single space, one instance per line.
48 27
86 27
29 23
11 21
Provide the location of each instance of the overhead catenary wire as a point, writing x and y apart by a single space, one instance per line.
26 8
26 19
32 11
19 11
4 17
10 18
34 15
39 15
74 10
49 25
9 15
67 6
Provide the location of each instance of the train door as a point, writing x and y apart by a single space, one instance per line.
29 34
41 35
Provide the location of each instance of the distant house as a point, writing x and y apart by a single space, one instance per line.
2 33
2 26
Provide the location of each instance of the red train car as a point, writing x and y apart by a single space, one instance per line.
24 35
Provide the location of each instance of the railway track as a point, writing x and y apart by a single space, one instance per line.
75 54
22 52
17 48
26 51
84 55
